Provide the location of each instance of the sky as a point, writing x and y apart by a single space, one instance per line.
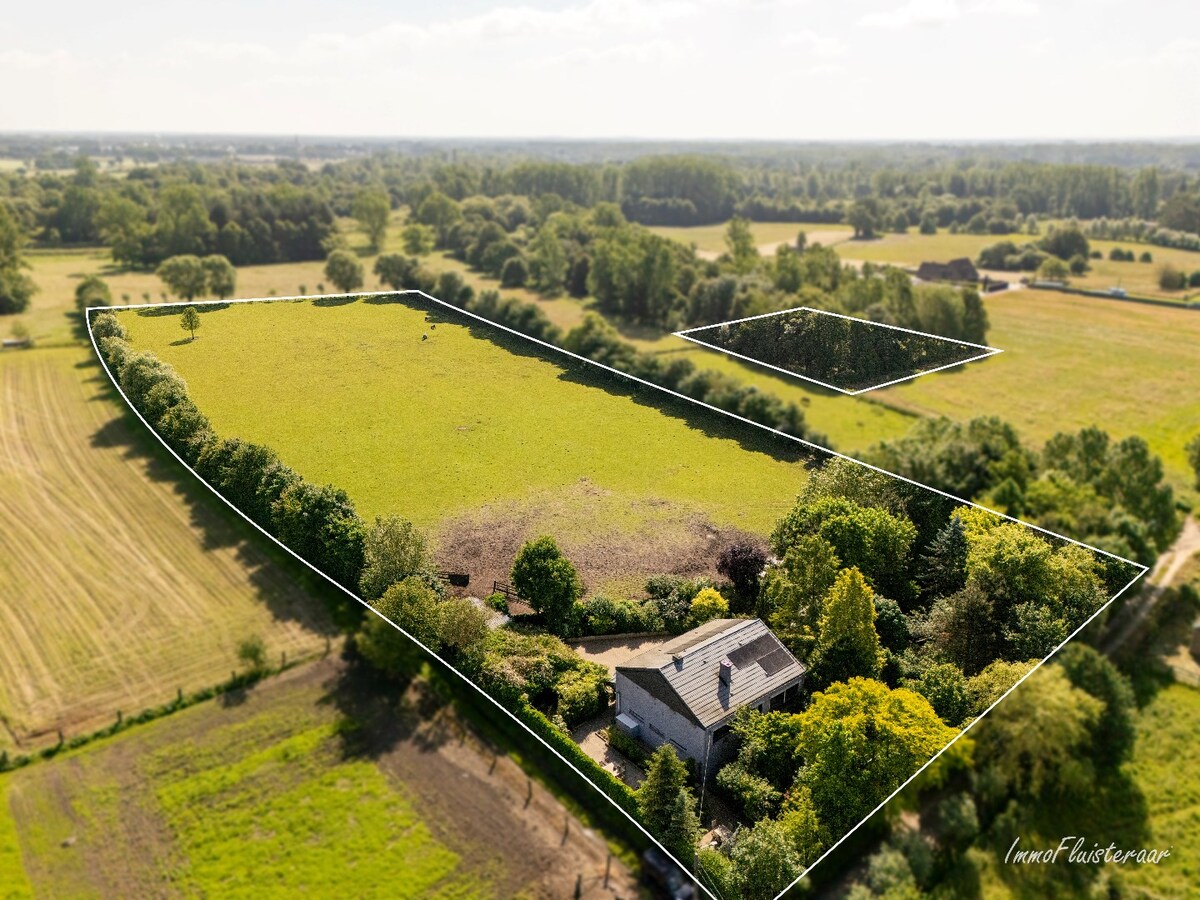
656 69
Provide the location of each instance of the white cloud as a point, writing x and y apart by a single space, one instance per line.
26 60
820 45
937 12
642 53
914 12
1019 8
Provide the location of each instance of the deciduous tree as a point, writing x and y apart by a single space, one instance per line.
190 320
344 270
861 740
393 549
184 276
370 208
547 581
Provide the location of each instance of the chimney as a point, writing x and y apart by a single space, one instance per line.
726 672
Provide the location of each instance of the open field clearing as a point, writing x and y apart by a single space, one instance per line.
125 580
1070 362
849 423
57 272
438 424
710 239
305 784
1136 277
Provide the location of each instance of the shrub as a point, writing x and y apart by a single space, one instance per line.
498 602
106 325
581 693
92 291
753 794
743 563
708 604
514 273
1146 257
252 651
1171 278
604 615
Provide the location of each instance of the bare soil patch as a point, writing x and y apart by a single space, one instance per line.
616 543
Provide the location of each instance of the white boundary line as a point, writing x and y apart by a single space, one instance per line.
458 310
687 333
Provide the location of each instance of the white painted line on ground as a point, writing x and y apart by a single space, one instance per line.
687 333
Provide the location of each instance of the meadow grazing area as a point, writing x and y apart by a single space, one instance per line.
709 240
1070 362
304 784
491 439
123 580
1140 278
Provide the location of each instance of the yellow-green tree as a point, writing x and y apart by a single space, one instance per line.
847 643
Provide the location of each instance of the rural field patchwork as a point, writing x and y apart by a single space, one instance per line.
132 582
311 799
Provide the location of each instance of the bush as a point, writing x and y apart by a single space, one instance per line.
604 615
1171 278
514 273
753 794
106 325
627 746
252 651
92 291
1146 257
547 581
581 693
611 786
743 563
498 602
706 605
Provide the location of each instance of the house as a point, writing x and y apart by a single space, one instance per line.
685 692
961 269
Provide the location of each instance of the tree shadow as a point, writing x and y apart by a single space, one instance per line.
341 300
162 309
289 590
380 713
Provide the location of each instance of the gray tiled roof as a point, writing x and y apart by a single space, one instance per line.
684 673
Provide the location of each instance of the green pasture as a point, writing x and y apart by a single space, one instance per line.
426 418
1139 278
1072 361
711 238
14 885
225 800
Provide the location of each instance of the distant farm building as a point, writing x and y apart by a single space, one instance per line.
685 692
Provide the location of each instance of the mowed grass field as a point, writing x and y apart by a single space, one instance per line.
122 580
710 239
1070 362
297 787
429 420
1136 277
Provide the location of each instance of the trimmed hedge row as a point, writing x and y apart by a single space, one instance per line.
612 787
